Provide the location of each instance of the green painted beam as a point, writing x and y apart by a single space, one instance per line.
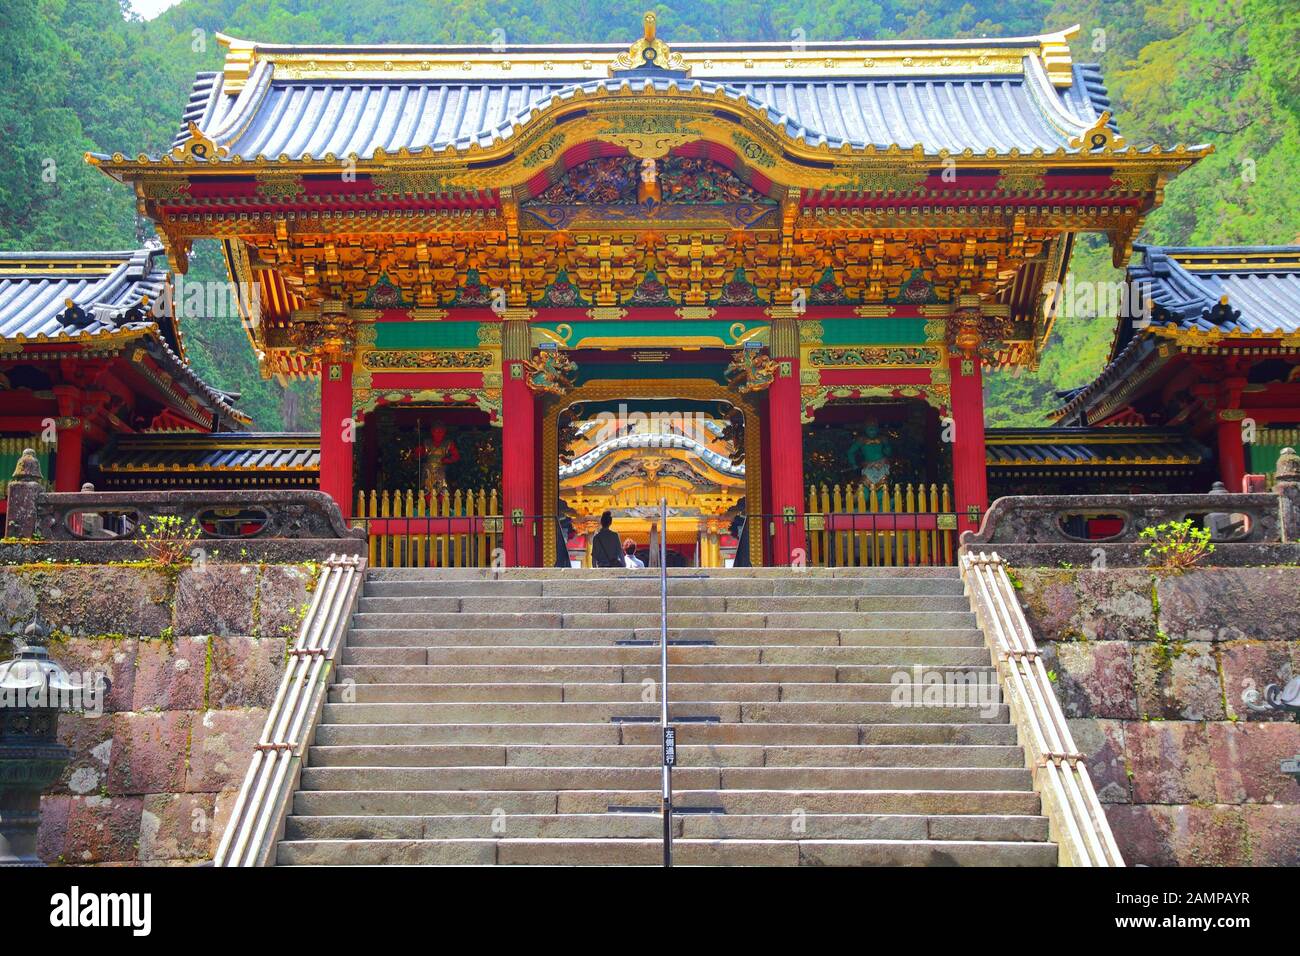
427 335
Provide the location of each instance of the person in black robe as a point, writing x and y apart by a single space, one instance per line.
564 531
740 531
606 548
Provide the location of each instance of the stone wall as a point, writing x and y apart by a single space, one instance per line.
195 657
1151 670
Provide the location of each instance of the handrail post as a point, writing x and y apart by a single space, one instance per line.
668 757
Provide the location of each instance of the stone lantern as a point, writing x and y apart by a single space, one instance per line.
33 689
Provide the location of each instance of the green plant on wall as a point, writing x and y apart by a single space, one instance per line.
166 539
1176 545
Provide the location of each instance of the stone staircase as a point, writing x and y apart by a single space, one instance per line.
515 720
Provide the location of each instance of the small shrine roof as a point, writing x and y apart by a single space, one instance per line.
224 452
106 286
1259 285
664 442
1197 296
34 287
1088 447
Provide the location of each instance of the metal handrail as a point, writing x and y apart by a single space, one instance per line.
1059 769
668 735
264 797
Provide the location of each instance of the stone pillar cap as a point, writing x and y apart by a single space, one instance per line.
1288 466
28 467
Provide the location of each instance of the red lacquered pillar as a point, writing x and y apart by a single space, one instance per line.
70 434
969 468
1232 451
519 469
785 457
337 431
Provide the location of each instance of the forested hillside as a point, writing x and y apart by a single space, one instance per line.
79 75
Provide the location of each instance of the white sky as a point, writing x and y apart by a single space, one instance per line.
151 8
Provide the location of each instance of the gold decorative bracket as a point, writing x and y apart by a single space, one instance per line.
199 146
239 63
1098 136
649 51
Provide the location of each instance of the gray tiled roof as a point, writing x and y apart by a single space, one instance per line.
34 287
298 118
1261 283
1236 290
222 452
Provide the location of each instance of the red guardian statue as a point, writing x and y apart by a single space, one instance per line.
434 457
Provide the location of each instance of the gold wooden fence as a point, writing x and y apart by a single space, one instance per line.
460 529
847 526
886 525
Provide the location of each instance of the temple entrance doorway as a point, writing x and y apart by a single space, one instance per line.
879 479
623 446
428 481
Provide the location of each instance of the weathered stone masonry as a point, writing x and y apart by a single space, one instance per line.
195 657
1151 669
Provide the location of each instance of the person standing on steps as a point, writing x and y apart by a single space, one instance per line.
564 531
740 531
606 549
629 555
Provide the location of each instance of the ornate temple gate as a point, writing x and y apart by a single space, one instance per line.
632 390
539 207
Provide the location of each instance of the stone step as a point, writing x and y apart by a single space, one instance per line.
749 637
785 802
649 574
678 587
355 734
482 717
624 604
892 656
504 779
610 622
648 852
903 692
640 778
648 755
635 673
900 826
837 712
908 656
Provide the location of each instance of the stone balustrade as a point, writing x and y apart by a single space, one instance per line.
1105 530
89 525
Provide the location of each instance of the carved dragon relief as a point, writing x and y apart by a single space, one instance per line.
750 370
550 372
